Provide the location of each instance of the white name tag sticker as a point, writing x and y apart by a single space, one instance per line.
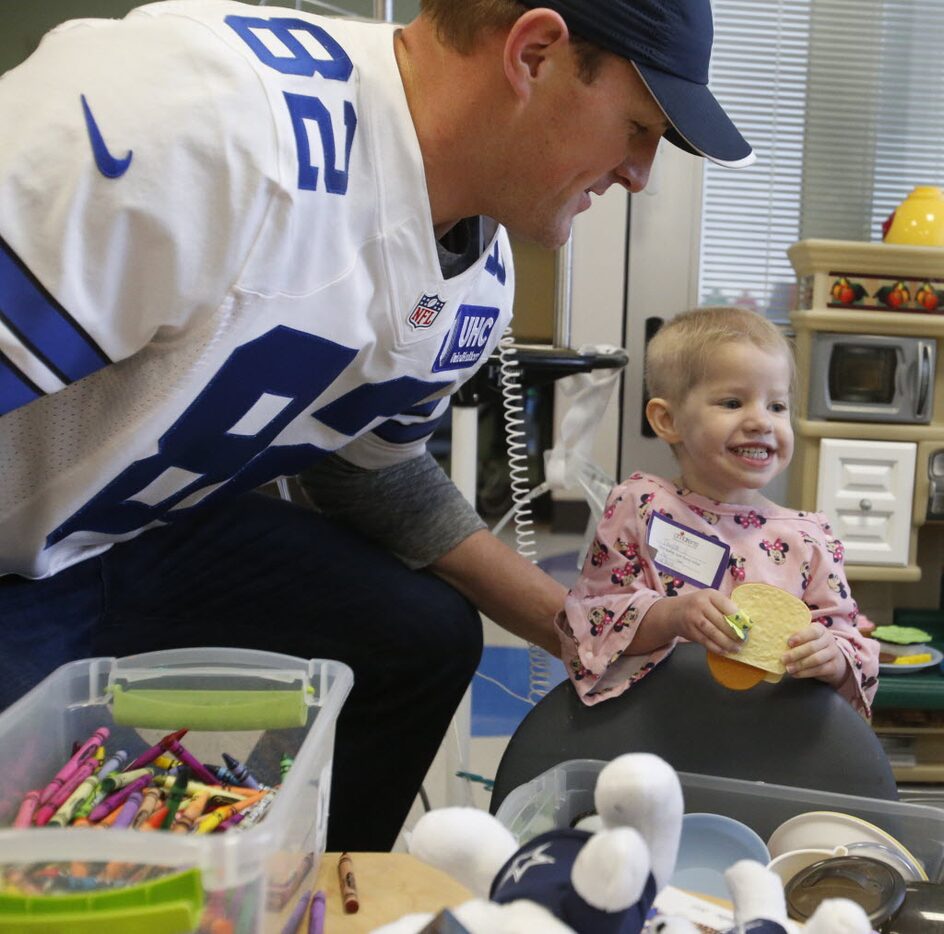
685 553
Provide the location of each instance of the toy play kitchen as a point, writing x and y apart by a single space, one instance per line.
870 454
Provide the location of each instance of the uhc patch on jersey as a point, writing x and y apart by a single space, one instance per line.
466 341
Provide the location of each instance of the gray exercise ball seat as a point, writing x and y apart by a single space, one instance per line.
798 732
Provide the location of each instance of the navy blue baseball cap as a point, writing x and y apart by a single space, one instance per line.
669 43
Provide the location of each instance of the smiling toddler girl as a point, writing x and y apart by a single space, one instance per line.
720 382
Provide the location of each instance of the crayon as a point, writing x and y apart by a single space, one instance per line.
16 879
166 761
285 763
177 791
117 780
113 763
114 801
156 820
257 811
67 809
149 755
85 807
196 766
214 909
108 819
24 816
187 817
230 822
114 871
52 804
83 752
243 775
209 822
298 912
129 809
217 801
223 774
79 774
194 788
141 874
152 800
348 884
316 915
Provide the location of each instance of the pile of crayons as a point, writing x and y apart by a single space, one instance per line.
163 788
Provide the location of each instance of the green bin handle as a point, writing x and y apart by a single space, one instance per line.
170 905
209 710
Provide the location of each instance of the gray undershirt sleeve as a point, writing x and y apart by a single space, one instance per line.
412 509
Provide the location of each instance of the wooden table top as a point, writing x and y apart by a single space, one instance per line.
389 885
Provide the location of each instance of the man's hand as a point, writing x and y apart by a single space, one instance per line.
510 590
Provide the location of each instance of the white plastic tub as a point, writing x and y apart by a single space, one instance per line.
255 705
557 796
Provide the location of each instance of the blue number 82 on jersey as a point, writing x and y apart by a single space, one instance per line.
297 60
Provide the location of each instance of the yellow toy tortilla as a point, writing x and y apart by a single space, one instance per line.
774 615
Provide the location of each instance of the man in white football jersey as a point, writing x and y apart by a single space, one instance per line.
239 243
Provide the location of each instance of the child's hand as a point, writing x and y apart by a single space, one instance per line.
814 653
699 616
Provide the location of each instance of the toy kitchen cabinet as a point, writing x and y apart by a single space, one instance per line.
869 331
870 398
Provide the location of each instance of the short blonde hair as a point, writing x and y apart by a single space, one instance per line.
677 356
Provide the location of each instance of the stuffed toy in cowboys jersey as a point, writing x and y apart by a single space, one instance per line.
571 880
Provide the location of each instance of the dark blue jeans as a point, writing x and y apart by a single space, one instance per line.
261 573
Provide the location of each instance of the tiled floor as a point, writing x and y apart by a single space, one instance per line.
508 683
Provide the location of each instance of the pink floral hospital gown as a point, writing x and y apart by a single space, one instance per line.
619 582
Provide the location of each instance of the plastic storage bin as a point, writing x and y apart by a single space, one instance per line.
256 706
557 796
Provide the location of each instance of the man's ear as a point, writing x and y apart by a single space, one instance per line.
660 417
532 43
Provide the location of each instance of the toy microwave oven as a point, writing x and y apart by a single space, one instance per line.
871 378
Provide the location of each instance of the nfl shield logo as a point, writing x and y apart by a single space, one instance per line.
426 311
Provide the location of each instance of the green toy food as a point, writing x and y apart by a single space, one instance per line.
901 635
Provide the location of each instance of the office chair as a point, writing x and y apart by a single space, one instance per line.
798 732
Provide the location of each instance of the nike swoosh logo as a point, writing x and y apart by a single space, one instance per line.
108 165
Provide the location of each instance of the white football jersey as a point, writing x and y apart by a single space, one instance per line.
217 264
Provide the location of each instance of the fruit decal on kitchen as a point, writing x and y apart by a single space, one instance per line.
895 296
886 293
929 297
845 292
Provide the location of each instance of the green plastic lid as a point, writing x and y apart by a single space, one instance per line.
901 635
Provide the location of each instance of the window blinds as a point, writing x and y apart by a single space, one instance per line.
843 100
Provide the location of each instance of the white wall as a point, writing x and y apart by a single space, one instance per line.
662 278
597 308
660 259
